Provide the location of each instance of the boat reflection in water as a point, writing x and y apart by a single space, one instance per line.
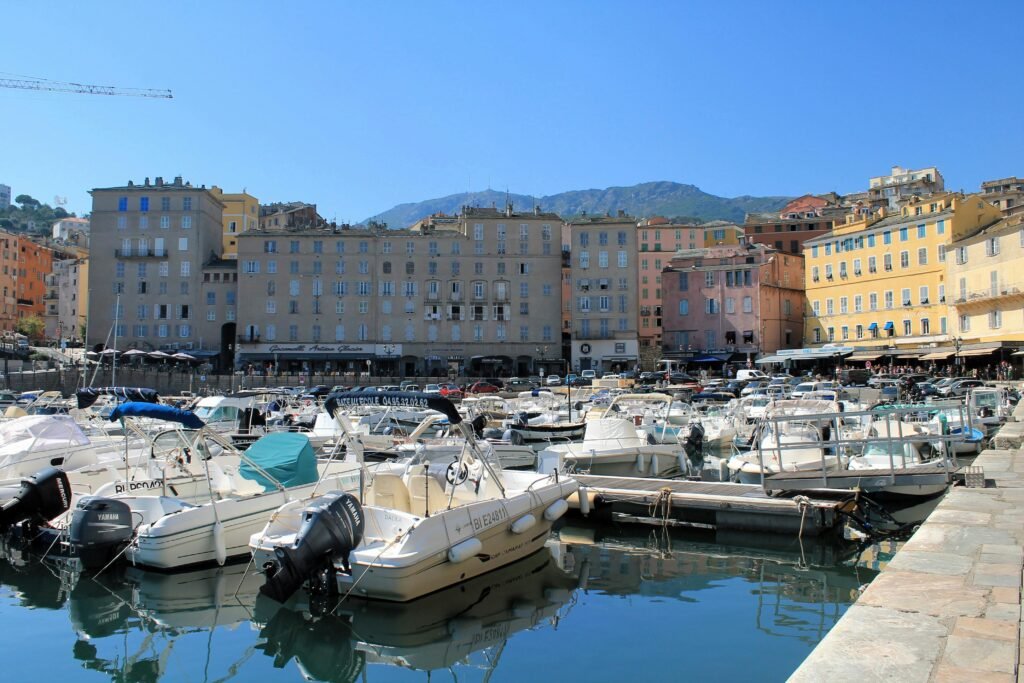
466 625
619 598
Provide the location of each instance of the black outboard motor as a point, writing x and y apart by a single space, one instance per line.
693 444
331 527
100 529
43 496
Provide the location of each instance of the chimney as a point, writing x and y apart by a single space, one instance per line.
508 209
147 181
159 181
622 213
177 180
536 209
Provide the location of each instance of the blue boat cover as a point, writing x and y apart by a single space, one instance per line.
158 411
288 457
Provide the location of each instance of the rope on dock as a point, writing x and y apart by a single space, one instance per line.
663 501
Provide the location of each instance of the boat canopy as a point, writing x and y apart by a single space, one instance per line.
393 399
88 395
156 411
287 458
21 435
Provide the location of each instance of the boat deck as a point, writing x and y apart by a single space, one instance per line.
713 504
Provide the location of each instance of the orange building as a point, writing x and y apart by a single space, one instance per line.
35 262
8 281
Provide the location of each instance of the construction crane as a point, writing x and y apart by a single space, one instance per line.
60 86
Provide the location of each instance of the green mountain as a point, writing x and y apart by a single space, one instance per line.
662 198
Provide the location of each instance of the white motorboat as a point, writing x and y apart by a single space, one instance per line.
613 446
902 447
206 501
419 529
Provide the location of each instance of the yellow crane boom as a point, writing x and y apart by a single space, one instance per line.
59 86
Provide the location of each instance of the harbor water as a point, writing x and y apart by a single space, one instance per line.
598 604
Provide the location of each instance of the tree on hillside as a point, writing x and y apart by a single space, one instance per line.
26 201
32 327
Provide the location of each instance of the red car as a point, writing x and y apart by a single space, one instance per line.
482 388
451 391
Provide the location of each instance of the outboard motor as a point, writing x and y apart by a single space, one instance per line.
693 443
332 526
43 496
479 422
100 529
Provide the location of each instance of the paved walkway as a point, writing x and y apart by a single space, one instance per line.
948 606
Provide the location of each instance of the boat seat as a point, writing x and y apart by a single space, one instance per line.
228 484
150 509
426 495
388 491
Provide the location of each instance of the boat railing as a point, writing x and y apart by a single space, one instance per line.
836 443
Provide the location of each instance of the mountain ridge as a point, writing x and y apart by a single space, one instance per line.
643 200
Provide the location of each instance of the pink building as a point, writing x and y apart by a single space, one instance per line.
658 239
732 303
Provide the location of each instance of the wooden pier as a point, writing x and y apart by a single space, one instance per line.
740 507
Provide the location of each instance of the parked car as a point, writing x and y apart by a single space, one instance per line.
481 388
571 379
319 390
7 399
519 384
753 387
648 376
875 380
588 375
960 387
433 389
553 381
610 375
535 380
451 391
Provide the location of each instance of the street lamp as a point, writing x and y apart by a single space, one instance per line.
389 352
958 343
541 351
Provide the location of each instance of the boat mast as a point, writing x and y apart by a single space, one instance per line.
113 356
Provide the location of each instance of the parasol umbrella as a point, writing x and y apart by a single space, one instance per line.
109 352
158 354
92 354
134 352
183 356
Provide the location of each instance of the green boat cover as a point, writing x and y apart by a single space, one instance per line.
288 457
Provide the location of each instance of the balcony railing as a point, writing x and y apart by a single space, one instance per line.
988 295
139 253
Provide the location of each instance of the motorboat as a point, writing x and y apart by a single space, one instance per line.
614 446
794 436
899 446
539 417
204 504
414 528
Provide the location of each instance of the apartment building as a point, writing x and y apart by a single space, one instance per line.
603 278
241 213
5 196
66 228
802 219
900 185
985 272
35 262
1007 194
67 299
879 281
721 234
155 251
9 249
732 304
658 239
476 294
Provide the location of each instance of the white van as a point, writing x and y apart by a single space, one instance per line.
588 374
750 375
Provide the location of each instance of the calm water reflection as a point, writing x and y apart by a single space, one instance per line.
602 604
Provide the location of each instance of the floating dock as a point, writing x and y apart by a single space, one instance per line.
713 505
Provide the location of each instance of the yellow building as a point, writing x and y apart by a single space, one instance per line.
241 213
879 282
986 275
721 233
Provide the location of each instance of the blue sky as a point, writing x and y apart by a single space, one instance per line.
358 107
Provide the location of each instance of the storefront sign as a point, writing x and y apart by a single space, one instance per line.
384 350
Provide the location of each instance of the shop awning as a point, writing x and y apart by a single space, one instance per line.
909 356
706 359
889 326
977 352
782 359
938 355
873 326
865 355
1017 353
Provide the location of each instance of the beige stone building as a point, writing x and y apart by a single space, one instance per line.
473 294
157 278
1005 193
241 213
603 285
